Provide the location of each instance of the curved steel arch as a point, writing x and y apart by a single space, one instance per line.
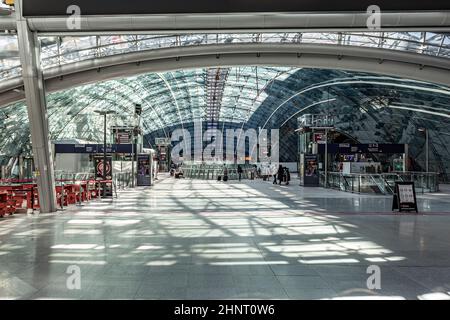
273 21
379 61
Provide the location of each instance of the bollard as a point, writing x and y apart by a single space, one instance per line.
99 195
80 195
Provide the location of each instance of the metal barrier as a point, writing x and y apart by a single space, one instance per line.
66 177
383 183
213 171
71 189
123 180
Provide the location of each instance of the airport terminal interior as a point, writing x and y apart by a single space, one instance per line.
221 157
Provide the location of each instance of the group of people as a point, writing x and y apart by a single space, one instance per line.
176 170
279 173
282 175
240 171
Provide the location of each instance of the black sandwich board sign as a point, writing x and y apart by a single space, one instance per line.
404 197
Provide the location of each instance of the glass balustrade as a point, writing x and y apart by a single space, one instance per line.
384 183
213 171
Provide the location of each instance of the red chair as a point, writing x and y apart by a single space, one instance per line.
29 189
71 193
17 201
84 185
3 204
60 194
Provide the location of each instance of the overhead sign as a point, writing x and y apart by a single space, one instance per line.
122 135
163 141
404 197
93 148
121 7
123 138
319 137
345 148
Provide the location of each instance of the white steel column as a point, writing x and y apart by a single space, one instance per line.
29 51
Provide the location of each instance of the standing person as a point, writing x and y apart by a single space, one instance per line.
273 171
172 168
239 170
156 169
288 176
225 174
280 173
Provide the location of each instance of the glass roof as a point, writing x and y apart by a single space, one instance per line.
171 98
9 56
64 50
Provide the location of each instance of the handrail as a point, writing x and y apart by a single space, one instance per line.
346 184
386 183
387 173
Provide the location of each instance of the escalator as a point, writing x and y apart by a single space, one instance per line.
345 185
377 186
389 185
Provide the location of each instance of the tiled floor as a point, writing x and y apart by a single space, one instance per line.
184 239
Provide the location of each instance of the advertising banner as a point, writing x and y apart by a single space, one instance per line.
99 167
311 171
98 161
144 173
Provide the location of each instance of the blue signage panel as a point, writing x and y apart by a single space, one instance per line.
93 148
345 148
